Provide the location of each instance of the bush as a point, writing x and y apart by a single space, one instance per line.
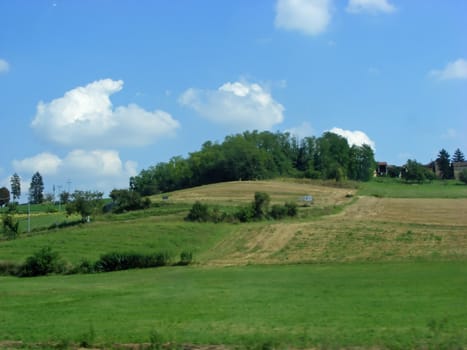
185 258
261 205
292 209
127 200
199 212
278 212
463 176
125 261
10 227
8 268
245 214
85 266
43 262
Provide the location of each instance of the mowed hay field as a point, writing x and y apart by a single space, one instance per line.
367 229
241 192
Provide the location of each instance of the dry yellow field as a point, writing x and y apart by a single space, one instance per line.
381 229
243 192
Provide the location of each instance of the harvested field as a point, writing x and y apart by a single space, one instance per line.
382 229
279 191
435 211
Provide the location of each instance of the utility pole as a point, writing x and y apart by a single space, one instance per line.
59 197
29 216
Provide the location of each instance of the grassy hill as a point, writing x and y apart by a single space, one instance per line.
352 269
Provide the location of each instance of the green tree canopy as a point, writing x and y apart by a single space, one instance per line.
15 183
361 163
36 189
444 164
4 196
458 156
255 155
85 203
416 172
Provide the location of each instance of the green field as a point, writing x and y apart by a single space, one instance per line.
401 305
380 267
395 188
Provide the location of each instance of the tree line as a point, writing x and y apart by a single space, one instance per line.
254 155
442 168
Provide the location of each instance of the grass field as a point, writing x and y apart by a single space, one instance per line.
401 305
395 188
378 269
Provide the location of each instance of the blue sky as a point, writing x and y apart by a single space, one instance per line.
92 92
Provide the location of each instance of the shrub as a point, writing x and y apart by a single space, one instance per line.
8 268
186 258
245 214
261 205
278 212
292 209
10 227
42 263
124 261
85 266
127 200
463 176
198 212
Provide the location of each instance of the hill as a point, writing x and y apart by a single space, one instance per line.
350 271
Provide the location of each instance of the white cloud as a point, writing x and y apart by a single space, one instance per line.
4 66
88 170
302 131
370 6
44 163
453 70
355 137
84 117
310 17
239 105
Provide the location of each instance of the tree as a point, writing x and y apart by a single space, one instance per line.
36 189
332 157
64 197
127 200
4 196
15 182
362 163
414 171
84 203
444 164
261 205
458 156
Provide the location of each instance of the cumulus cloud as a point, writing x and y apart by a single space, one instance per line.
239 105
94 170
4 66
310 17
84 117
453 70
356 137
45 163
370 6
302 131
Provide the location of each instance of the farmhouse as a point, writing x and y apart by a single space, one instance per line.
458 167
